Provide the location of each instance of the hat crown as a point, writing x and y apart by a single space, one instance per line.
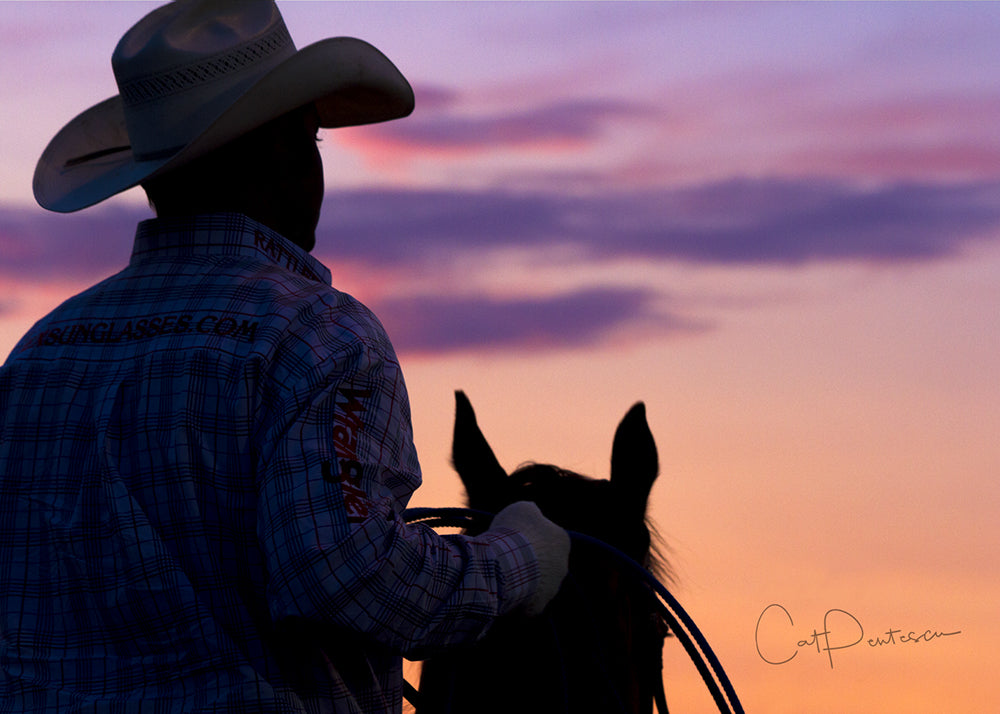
182 64
196 74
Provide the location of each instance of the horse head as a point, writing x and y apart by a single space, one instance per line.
613 510
595 648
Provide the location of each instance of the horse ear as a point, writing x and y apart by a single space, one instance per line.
484 478
634 461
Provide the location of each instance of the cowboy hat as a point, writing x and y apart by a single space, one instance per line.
196 74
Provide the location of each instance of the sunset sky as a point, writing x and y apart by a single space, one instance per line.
776 224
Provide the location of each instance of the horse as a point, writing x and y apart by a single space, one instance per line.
597 648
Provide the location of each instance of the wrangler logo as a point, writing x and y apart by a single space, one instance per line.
348 412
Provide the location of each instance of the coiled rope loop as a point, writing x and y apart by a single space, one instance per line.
680 623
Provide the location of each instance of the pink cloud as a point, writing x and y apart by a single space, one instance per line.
960 161
441 131
939 136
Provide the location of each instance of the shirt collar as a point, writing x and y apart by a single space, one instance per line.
222 234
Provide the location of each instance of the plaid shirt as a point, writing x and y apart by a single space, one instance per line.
203 465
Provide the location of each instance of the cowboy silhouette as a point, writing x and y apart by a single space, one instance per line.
204 458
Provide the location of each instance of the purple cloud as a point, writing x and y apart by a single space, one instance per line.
431 98
739 222
443 323
87 245
733 222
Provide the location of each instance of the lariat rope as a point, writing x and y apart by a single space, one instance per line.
680 623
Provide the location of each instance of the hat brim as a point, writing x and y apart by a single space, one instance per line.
349 80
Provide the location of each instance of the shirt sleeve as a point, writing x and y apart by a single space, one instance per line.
332 494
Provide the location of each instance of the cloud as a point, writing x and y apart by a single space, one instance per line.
429 237
735 222
752 222
961 159
444 323
88 245
802 119
942 135
557 125
431 98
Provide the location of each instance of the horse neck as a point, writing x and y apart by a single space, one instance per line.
589 653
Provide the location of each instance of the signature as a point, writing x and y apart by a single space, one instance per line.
841 630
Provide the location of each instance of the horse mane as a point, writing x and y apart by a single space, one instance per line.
535 475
